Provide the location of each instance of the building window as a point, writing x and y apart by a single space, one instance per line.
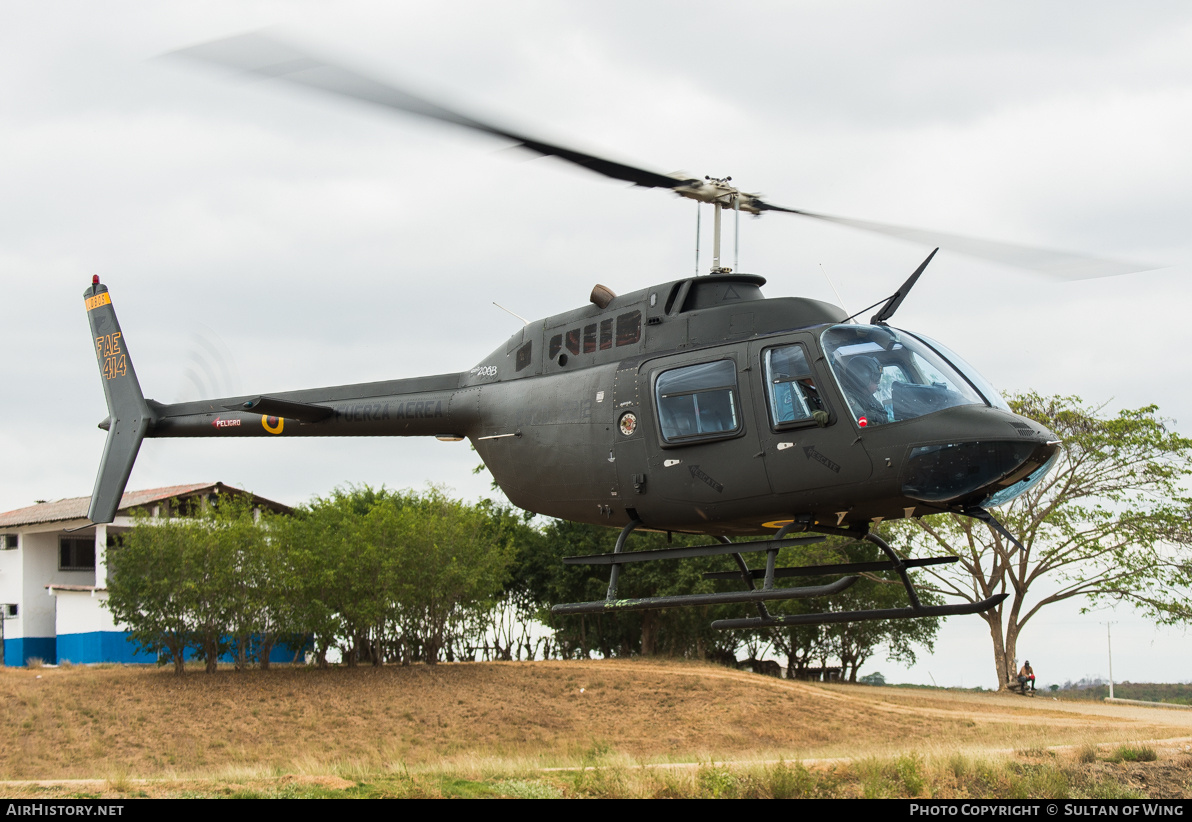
76 554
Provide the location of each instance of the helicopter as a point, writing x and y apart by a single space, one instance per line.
693 406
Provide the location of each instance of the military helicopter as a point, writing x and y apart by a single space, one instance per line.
693 406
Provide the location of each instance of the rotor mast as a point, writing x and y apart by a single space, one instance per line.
721 195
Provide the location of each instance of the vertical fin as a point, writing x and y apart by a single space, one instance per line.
129 416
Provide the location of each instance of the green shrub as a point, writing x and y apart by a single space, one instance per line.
1134 753
718 782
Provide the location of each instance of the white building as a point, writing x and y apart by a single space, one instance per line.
53 575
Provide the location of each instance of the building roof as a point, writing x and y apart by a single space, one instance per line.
76 507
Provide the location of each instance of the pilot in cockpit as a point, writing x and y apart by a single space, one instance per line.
862 374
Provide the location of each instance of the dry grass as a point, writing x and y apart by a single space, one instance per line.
490 729
905 777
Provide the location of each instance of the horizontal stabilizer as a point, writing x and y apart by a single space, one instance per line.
273 407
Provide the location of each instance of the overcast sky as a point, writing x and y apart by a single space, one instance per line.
258 239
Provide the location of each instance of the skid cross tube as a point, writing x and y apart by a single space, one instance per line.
682 552
726 598
828 570
862 616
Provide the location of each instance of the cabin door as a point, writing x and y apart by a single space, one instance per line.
791 392
696 441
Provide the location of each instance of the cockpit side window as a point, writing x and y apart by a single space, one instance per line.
790 386
698 402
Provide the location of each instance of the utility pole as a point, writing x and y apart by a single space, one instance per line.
1109 647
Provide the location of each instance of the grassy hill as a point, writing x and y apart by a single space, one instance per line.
486 723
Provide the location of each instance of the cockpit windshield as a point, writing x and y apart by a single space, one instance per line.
889 376
971 374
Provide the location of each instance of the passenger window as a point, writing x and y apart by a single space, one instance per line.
698 401
523 355
573 341
790 386
629 328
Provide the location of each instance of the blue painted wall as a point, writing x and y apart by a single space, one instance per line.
116 646
279 653
101 646
20 651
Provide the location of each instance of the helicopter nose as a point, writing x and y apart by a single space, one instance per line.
985 472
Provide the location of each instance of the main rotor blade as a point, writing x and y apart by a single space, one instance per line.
265 57
1059 265
260 55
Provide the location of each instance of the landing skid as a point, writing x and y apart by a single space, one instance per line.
849 573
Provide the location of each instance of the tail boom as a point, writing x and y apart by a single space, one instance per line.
443 406
423 406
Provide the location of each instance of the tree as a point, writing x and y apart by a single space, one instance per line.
506 631
1109 522
205 582
451 569
346 584
144 586
396 575
253 580
315 552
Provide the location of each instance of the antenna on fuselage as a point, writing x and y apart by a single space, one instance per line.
887 310
839 301
507 311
